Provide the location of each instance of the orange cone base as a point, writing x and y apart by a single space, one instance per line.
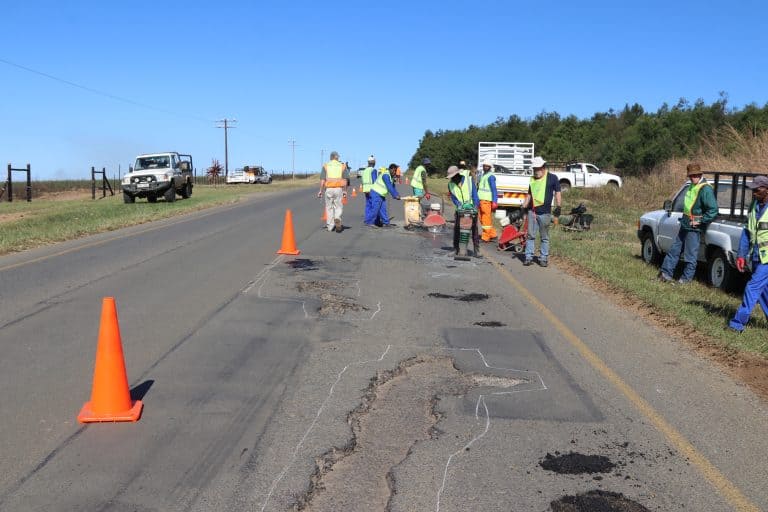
292 253
88 416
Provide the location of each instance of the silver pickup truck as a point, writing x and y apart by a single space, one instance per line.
720 243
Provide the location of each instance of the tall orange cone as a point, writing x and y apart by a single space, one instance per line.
110 397
289 243
406 180
324 216
354 192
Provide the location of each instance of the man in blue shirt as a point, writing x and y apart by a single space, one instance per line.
754 244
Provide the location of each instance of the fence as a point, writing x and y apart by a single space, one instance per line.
9 182
104 183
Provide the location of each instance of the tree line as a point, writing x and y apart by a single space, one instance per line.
631 141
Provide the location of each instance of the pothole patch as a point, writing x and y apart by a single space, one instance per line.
496 382
302 264
490 324
317 286
467 297
577 463
597 501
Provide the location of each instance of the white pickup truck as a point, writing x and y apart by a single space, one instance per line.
512 164
158 175
658 229
249 174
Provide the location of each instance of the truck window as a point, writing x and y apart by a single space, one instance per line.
592 168
152 162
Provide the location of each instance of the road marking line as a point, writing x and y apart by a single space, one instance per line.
724 486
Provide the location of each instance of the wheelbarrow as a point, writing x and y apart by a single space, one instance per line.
515 232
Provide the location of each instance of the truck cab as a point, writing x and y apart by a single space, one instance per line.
155 175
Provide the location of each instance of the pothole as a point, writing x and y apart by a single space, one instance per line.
301 264
315 286
333 304
397 411
576 463
597 501
490 324
468 297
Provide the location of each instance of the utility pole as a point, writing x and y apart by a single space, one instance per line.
322 158
226 127
292 143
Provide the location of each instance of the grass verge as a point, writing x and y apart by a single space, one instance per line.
44 221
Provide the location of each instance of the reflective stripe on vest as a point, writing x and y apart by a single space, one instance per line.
334 170
367 179
690 199
758 234
417 181
484 187
379 186
461 192
539 189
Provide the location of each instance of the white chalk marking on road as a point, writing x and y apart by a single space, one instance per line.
262 273
480 399
378 308
314 421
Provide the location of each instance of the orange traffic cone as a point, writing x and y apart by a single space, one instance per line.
289 243
324 216
110 397
354 192
361 188
344 200
406 180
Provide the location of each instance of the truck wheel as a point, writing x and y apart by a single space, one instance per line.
648 250
170 194
565 186
186 192
613 185
151 198
128 198
720 273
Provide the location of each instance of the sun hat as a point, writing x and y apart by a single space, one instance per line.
452 171
538 162
758 181
487 162
692 169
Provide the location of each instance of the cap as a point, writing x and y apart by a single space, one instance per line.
758 181
392 167
462 162
371 158
538 162
487 162
426 161
452 171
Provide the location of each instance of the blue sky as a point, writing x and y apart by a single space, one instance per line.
342 75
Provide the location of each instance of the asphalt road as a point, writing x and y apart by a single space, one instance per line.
371 372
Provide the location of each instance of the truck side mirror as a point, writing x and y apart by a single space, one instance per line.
668 207
130 168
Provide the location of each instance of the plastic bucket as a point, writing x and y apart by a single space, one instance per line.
412 210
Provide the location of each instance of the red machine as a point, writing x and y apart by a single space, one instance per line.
515 232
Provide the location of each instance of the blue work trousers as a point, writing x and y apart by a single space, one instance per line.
755 291
686 242
377 215
538 223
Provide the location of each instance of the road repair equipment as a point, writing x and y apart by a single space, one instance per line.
433 216
420 215
577 220
289 242
515 232
467 214
110 396
412 211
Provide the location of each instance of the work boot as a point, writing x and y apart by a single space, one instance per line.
337 225
543 263
528 263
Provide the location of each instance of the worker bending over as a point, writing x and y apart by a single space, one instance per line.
381 187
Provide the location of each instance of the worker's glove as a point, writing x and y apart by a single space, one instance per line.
557 211
494 206
320 194
740 264
428 196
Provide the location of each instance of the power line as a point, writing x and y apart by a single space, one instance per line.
293 144
102 93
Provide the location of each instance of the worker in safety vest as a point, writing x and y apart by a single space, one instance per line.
367 177
699 209
486 191
542 189
754 245
419 179
463 191
381 187
334 180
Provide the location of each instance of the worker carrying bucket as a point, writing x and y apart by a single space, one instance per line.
466 202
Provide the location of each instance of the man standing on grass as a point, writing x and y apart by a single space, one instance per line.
699 209
754 244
